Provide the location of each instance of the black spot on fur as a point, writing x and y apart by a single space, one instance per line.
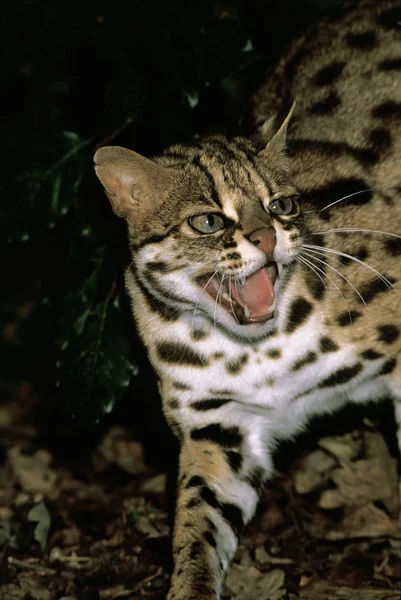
348 317
363 41
178 385
375 287
199 334
388 366
327 345
157 267
216 392
274 353
234 256
361 254
308 359
195 481
326 106
223 436
371 354
196 550
322 197
209 403
165 312
390 18
315 282
341 376
393 246
209 537
193 503
388 333
233 515
380 138
174 403
209 497
300 310
255 479
235 366
387 110
211 525
295 61
365 156
234 460
328 75
391 64
173 353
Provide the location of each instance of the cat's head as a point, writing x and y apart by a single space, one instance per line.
211 224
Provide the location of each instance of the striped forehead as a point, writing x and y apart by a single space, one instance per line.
238 187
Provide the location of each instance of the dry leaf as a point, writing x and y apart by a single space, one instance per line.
344 447
313 473
364 521
155 485
369 479
32 471
249 583
118 448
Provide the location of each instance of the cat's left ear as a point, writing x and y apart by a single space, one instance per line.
276 138
133 183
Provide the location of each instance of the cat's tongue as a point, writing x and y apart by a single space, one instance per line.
257 294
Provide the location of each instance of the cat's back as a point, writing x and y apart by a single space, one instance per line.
346 79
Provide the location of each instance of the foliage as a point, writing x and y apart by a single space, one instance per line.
141 74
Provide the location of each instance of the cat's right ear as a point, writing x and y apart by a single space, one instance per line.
132 183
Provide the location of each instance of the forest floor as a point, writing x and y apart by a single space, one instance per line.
98 528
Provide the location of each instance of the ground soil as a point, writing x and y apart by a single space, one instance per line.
98 527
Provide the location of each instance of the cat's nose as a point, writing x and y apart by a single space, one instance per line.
265 239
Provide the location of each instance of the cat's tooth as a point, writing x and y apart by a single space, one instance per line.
279 268
247 311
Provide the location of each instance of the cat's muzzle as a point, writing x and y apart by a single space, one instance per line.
247 299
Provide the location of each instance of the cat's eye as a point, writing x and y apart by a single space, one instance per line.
281 206
206 223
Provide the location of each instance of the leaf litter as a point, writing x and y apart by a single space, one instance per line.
100 529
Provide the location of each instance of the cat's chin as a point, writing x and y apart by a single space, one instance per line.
247 300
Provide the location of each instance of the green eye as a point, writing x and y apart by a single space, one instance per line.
281 206
207 223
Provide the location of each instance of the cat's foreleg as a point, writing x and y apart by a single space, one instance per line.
218 490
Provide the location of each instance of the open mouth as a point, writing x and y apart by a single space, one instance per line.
248 299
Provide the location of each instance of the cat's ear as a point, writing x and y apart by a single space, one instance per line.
276 138
132 183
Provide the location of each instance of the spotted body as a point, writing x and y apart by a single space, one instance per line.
265 273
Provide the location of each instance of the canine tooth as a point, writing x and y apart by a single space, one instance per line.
247 311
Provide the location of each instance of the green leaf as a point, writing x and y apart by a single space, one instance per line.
44 190
95 365
40 515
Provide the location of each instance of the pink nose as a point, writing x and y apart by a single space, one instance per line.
265 239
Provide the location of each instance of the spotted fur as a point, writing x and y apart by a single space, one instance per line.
232 386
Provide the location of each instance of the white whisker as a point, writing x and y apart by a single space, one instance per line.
357 260
344 198
336 271
356 229
201 292
315 268
231 300
337 201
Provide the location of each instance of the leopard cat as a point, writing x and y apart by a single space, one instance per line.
265 273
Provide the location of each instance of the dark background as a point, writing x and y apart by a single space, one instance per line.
77 75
